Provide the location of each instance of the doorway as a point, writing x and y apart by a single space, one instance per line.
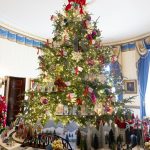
15 88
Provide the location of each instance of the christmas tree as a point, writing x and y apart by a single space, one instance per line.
75 83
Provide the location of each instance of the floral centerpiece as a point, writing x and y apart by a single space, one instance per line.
3 112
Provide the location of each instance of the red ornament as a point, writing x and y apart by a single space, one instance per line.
89 37
44 100
79 101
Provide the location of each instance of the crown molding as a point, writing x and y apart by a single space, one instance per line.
143 36
18 31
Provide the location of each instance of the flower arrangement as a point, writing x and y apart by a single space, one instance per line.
57 145
3 111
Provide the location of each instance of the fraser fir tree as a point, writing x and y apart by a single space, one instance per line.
73 84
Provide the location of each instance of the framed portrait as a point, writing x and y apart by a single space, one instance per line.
130 86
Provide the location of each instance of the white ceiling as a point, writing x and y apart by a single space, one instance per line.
119 19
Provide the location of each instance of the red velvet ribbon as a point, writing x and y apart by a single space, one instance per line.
80 2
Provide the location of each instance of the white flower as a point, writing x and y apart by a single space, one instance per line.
77 56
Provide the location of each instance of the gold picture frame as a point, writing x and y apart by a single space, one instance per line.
130 86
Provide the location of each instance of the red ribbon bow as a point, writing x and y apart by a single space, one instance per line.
80 2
